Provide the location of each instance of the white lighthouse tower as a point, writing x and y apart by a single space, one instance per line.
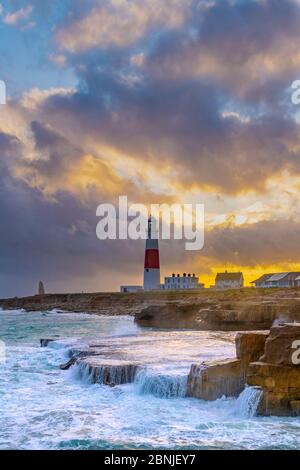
151 266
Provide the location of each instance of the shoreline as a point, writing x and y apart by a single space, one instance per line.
262 371
228 310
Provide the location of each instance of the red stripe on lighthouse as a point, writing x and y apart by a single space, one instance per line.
152 259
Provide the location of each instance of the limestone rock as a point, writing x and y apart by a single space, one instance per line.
274 377
295 406
168 316
276 373
278 349
108 371
280 384
215 314
68 364
212 380
250 346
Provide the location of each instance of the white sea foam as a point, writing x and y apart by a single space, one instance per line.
248 402
43 407
162 385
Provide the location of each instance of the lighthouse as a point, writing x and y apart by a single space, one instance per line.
151 266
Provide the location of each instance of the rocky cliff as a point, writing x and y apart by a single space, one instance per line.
278 371
96 303
245 309
228 311
213 379
275 371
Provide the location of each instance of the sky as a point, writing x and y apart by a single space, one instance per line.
165 101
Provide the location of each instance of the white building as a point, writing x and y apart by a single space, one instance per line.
130 289
186 281
229 280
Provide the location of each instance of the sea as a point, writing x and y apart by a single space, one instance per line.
44 407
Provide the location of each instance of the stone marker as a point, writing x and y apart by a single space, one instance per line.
41 288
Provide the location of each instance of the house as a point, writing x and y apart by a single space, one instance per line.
187 281
262 281
229 280
288 279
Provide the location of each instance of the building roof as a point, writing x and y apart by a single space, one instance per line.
262 278
229 276
276 277
290 276
293 275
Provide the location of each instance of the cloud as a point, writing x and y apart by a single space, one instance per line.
189 39
249 48
34 98
120 22
192 98
58 59
56 156
192 125
175 100
54 238
51 239
264 243
18 16
179 125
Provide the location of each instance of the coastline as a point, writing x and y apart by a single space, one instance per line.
50 408
229 310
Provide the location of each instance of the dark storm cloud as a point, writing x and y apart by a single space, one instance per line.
252 245
266 242
57 153
181 123
55 241
248 48
10 148
51 239
175 108
262 243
